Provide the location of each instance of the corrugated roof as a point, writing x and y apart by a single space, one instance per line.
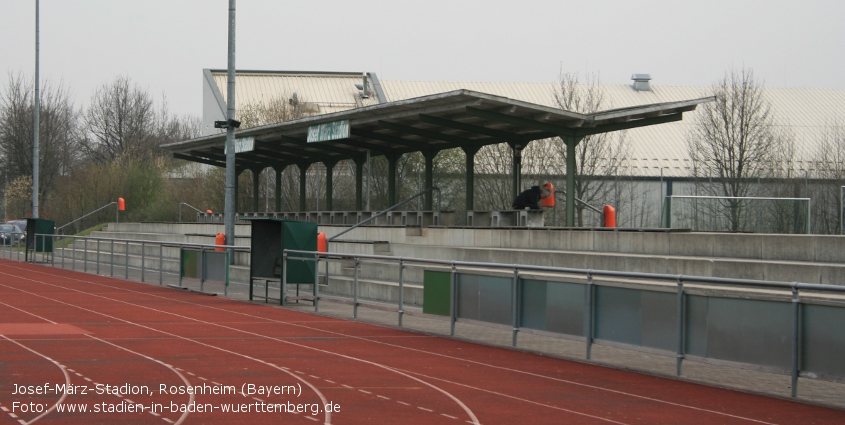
806 112
331 92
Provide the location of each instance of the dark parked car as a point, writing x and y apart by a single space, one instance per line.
11 234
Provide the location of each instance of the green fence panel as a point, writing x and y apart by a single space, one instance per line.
436 294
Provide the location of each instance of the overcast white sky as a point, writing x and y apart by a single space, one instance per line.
163 45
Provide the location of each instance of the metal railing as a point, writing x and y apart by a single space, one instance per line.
603 301
116 215
67 254
690 318
189 206
363 222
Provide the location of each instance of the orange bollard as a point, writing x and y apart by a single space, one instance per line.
609 214
322 243
220 239
121 204
209 212
550 200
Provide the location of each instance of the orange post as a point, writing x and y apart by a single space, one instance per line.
322 243
609 214
209 212
220 239
121 204
548 201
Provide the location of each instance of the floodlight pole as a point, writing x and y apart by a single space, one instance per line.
229 207
35 119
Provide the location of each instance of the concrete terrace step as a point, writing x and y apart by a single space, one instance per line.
774 270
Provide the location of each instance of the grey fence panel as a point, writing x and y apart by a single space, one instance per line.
823 338
750 331
695 329
618 315
660 320
485 298
553 306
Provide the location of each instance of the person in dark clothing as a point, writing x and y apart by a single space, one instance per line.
530 198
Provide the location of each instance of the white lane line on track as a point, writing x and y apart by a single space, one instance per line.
184 379
59 365
385 367
536 375
442 391
317 391
29 313
457 401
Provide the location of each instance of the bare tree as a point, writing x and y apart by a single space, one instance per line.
598 155
831 170
120 120
734 139
57 133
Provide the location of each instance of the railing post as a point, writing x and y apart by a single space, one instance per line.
453 302
111 259
680 353
401 289
355 290
84 254
53 254
161 264
588 319
98 257
143 257
317 281
202 269
73 252
515 303
126 253
284 289
796 338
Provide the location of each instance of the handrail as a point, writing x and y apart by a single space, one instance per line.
581 201
361 223
569 270
189 205
117 211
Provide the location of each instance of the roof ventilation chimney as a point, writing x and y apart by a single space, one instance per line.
641 82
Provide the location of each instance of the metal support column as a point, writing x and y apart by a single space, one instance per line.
571 171
680 353
303 169
359 183
278 188
429 178
256 191
796 339
469 153
329 183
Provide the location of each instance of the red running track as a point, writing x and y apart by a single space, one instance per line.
131 353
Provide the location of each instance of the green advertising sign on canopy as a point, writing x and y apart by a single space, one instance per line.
324 132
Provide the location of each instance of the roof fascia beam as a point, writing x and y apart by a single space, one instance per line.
200 160
471 128
550 130
629 124
454 140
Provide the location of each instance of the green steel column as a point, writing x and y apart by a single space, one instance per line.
278 170
391 179
470 152
303 169
429 178
256 184
571 170
516 168
329 179
359 183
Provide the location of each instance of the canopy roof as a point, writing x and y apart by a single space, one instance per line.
460 118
